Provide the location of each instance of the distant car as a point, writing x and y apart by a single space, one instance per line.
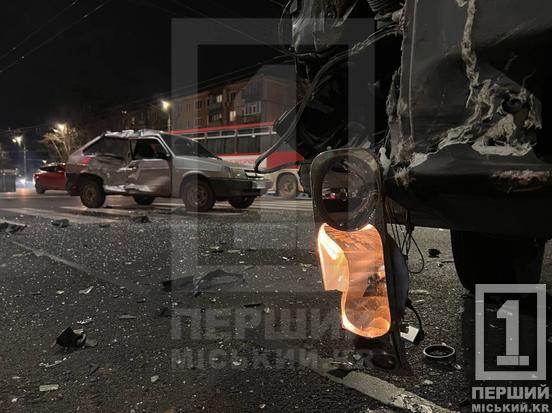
51 176
147 164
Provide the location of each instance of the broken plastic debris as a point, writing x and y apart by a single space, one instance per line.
86 291
421 292
60 223
153 379
140 219
84 322
202 283
439 352
11 227
70 338
427 383
127 317
49 387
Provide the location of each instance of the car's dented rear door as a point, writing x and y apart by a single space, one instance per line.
149 168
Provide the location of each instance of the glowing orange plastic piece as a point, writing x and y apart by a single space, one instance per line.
352 262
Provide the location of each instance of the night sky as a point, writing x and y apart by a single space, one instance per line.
120 53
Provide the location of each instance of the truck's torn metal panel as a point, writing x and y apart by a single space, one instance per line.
464 79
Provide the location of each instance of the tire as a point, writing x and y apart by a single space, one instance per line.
287 186
198 196
482 259
144 199
39 189
91 193
243 202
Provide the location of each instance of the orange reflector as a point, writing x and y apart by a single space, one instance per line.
353 263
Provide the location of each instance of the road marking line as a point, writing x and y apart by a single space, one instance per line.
102 211
373 387
75 219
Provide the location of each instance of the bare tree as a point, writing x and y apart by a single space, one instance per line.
62 142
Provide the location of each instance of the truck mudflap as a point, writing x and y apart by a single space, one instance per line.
357 255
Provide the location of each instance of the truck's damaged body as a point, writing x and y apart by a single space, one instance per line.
450 131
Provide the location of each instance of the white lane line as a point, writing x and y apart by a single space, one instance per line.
103 211
373 387
52 215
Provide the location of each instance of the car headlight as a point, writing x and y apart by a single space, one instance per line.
236 173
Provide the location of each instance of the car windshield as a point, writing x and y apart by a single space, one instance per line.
182 146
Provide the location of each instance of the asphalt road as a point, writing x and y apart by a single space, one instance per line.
156 345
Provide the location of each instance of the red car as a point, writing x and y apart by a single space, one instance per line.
51 176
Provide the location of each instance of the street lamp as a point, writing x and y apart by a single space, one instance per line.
18 140
62 127
166 105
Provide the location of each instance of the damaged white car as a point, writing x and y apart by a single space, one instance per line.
148 164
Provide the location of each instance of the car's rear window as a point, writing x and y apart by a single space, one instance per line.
116 147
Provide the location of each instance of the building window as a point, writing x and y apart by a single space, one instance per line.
216 117
253 108
232 96
219 98
232 116
199 104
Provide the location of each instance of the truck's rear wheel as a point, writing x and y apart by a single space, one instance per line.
198 196
92 194
287 186
242 202
483 259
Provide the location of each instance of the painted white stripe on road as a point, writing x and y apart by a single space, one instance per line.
373 387
52 215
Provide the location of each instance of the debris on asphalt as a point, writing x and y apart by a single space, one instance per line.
104 225
262 406
55 363
200 283
127 317
11 227
213 278
457 367
93 368
215 249
420 292
86 291
141 300
153 379
60 292
252 305
70 338
233 251
60 223
427 383
85 322
90 342
433 252
140 219
49 387
437 352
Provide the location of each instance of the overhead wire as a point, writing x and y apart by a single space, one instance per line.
55 36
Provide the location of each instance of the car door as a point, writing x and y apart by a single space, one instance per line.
59 177
149 169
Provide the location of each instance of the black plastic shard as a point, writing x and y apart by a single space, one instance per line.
68 338
60 223
200 283
11 227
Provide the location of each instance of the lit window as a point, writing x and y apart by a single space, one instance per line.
232 115
219 98
253 108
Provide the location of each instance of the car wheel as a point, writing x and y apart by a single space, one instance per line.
198 196
39 189
143 199
242 202
92 194
287 186
483 259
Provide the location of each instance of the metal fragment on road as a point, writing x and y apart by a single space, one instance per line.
48 387
71 338
127 317
154 379
85 322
